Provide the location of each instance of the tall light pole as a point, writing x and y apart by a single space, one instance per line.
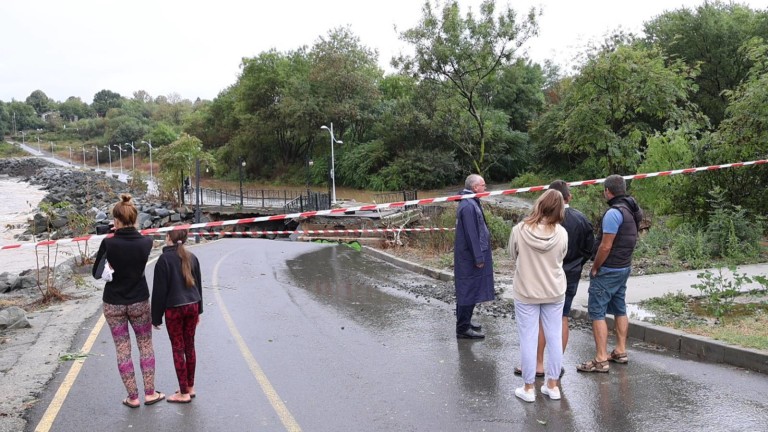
121 157
109 149
240 167
98 168
84 166
133 156
149 143
333 163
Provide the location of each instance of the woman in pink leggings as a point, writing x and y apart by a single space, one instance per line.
126 300
177 294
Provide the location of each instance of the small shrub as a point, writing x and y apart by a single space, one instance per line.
669 303
689 244
719 290
438 241
732 234
499 231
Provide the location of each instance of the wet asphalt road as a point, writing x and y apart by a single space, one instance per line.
299 336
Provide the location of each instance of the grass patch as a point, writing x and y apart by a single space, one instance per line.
745 324
668 304
10 150
749 332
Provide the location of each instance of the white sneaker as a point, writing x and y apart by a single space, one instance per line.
528 396
553 393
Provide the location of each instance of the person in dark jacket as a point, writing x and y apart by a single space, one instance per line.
615 242
126 300
177 294
581 239
472 260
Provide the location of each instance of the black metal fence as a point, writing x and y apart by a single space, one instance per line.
313 201
388 197
259 198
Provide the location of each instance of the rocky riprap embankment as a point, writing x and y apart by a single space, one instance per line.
88 193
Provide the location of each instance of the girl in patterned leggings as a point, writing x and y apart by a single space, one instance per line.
177 294
126 300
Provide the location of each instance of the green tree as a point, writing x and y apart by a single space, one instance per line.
710 37
619 98
463 54
39 101
742 136
74 109
24 116
344 79
124 129
177 159
105 100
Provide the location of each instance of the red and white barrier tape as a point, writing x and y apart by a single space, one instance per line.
400 204
331 231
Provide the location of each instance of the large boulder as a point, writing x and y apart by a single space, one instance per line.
13 318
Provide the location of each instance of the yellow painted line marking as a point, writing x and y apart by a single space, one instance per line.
274 399
61 394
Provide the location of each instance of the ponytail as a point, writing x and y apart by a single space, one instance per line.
179 237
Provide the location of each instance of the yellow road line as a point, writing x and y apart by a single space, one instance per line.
61 394
274 399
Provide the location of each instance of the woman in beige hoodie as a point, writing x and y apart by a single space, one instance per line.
538 244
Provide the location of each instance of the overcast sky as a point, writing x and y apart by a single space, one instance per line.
194 48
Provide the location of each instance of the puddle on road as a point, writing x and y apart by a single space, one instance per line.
636 312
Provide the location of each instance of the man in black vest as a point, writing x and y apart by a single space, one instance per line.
608 278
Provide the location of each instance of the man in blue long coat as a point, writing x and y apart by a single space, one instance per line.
472 259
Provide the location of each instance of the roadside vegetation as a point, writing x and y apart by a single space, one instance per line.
10 150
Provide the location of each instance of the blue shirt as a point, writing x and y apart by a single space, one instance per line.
611 222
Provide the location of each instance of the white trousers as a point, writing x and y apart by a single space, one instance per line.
527 317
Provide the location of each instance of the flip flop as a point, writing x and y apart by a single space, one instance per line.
127 403
154 401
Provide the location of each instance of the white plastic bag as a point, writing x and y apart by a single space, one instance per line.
106 275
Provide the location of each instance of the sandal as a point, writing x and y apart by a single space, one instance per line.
618 358
594 366
519 371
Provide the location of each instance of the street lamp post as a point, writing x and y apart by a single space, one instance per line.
310 163
333 172
98 168
84 157
149 143
121 157
240 167
133 156
109 149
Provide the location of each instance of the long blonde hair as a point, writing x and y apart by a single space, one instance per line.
179 237
549 210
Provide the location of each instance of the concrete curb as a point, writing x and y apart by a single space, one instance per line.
695 347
